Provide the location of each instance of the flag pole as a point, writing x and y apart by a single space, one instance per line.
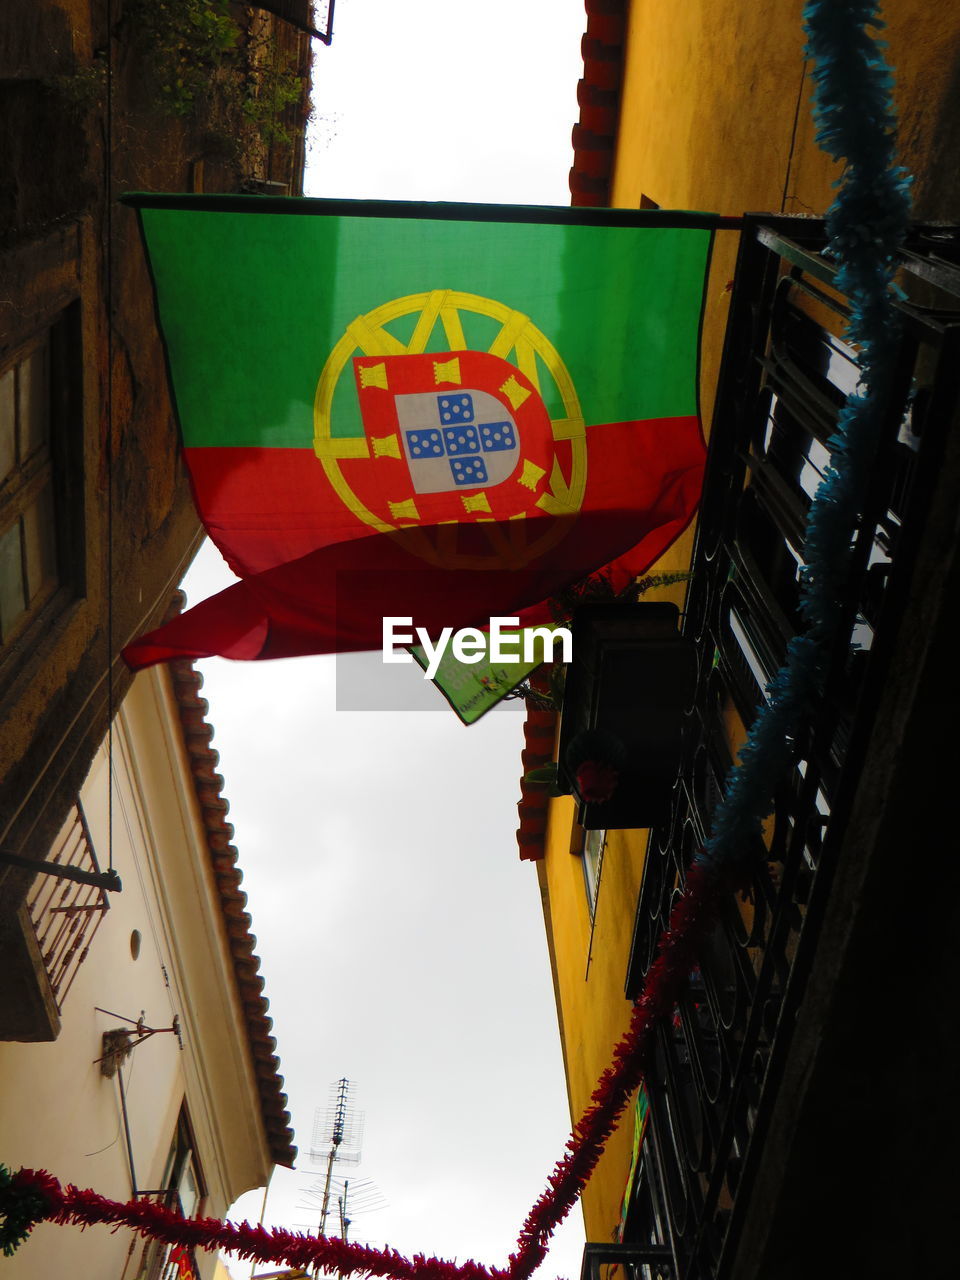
443 211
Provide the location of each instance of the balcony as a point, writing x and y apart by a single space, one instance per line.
49 937
815 1003
65 915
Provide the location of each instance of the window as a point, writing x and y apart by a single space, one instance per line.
28 556
39 385
183 1178
183 1190
593 845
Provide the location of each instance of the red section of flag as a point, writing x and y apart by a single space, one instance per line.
266 507
643 485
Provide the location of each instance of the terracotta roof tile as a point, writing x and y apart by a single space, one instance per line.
197 733
598 93
539 732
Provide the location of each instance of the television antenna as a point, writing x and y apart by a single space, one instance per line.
337 1139
353 1196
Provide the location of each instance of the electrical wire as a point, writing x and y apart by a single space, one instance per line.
793 137
108 435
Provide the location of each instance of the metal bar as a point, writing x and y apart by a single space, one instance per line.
808 261
944 275
108 881
279 10
87 837
627 1253
600 1255
446 211
134 1022
62 995
126 1132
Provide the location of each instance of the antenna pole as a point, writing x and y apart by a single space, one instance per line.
263 1212
336 1137
326 1191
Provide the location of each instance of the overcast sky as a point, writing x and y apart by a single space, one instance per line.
402 939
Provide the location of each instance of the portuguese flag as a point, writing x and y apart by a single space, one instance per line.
446 412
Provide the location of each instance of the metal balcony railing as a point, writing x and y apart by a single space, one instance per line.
633 1261
714 1074
66 915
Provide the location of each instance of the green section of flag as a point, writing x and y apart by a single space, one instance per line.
473 689
261 300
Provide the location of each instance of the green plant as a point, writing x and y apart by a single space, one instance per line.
544 776
599 589
278 87
187 41
205 66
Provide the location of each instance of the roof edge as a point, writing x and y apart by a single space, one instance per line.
208 785
595 134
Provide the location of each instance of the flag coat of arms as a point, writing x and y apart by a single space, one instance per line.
444 412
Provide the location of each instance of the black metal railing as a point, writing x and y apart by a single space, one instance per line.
634 1262
66 914
713 1076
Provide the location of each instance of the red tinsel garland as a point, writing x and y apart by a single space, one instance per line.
692 917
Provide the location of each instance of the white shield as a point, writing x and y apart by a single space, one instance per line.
460 439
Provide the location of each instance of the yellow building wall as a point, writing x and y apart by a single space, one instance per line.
715 116
589 975
592 1008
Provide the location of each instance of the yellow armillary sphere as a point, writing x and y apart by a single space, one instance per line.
554 488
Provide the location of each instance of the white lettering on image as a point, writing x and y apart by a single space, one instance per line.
470 644
498 653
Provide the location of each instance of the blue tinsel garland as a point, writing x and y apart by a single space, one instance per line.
866 224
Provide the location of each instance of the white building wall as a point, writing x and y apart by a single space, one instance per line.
57 1111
